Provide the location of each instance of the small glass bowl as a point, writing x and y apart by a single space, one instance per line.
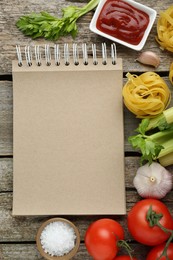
68 256
152 16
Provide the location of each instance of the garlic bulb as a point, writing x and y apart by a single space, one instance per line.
149 58
153 181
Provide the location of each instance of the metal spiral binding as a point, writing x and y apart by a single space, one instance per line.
28 55
38 55
19 55
94 52
85 54
104 54
75 54
47 55
57 54
66 54
113 53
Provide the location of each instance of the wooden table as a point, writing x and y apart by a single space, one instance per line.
17 234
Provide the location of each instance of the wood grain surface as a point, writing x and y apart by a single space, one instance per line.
17 234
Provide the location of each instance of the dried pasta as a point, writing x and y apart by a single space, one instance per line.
146 95
171 73
165 29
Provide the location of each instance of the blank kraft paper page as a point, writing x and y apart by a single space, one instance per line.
68 139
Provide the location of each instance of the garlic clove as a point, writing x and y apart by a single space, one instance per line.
153 181
149 58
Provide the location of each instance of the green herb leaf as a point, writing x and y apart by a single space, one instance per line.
149 149
45 25
163 125
143 126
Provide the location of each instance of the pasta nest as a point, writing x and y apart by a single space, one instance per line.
165 29
146 95
171 73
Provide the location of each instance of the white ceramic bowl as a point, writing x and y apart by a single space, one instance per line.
152 16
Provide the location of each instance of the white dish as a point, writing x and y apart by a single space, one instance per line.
152 16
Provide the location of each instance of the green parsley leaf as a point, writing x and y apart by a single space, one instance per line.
45 25
143 126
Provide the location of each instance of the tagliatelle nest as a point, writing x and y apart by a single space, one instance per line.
171 73
165 29
146 95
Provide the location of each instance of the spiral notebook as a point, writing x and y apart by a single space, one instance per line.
68 132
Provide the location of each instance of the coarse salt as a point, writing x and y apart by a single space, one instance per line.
58 238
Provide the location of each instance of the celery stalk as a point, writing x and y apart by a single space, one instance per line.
168 114
161 121
161 136
167 148
166 160
50 27
157 144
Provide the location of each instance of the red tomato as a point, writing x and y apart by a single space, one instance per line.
139 226
125 257
101 239
157 251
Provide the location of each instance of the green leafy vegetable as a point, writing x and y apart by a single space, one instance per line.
162 121
50 27
158 142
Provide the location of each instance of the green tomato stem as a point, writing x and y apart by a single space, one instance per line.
125 245
164 253
153 220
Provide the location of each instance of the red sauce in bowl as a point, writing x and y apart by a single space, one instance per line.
123 21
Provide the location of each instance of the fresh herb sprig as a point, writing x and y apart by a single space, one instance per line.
50 27
158 144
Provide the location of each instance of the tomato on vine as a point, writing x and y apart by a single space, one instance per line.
150 222
158 252
102 238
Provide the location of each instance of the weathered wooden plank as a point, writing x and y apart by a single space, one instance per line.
22 229
19 252
6 116
30 252
17 234
10 35
6 172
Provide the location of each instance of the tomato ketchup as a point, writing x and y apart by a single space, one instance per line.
123 21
